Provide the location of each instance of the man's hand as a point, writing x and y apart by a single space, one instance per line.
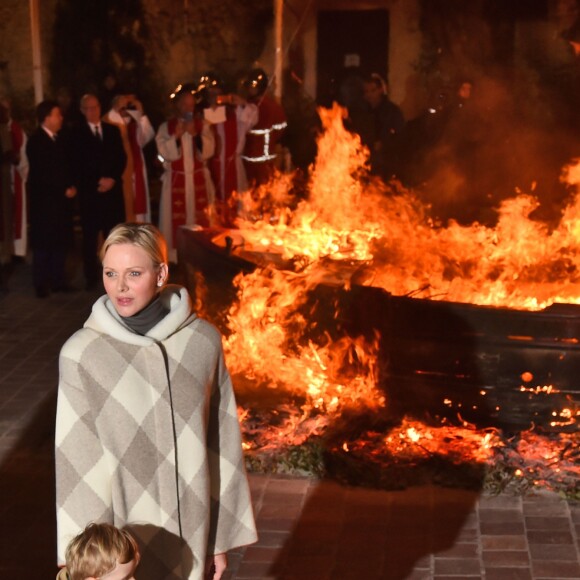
190 128
238 101
105 184
138 104
179 129
70 192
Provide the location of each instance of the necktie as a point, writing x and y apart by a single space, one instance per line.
97 132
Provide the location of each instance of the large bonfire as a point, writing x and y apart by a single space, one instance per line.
310 399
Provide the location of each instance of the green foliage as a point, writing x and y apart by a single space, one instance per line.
298 460
506 472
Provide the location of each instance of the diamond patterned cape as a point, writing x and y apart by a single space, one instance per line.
147 436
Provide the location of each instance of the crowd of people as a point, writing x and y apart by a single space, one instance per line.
88 162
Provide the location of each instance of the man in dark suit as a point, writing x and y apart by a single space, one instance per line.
50 192
380 123
98 159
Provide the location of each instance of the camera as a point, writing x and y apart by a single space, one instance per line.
131 107
187 117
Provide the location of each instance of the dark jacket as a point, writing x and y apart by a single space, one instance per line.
50 211
380 130
92 159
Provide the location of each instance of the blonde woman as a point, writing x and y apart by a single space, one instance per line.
147 430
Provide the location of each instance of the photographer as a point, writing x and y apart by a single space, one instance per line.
185 142
136 131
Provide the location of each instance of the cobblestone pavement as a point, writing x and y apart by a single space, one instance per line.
308 529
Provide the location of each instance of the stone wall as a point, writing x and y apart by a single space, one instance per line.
16 80
185 38
189 38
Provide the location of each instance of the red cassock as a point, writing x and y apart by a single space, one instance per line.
259 154
13 225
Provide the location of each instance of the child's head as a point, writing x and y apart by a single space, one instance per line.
102 551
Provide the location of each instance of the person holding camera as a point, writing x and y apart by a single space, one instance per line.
185 142
136 131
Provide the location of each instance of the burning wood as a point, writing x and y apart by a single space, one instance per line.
331 329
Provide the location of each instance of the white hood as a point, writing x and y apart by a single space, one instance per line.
105 319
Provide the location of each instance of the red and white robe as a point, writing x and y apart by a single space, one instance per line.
226 166
18 229
187 192
135 134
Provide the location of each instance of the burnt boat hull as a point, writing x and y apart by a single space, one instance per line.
489 366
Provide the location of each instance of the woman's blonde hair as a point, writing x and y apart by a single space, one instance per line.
97 550
145 236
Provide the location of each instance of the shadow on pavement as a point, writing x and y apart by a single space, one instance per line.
27 513
352 533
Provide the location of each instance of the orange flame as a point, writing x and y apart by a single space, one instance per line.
263 347
519 263
354 229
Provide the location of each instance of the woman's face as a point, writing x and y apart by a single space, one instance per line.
130 278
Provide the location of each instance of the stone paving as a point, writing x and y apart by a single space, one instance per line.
308 529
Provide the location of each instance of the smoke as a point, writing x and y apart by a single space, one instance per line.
493 146
518 128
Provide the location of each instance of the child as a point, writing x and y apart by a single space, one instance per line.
101 551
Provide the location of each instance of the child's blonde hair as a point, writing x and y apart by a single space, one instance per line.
97 550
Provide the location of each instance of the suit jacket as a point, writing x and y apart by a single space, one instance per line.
94 158
50 211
